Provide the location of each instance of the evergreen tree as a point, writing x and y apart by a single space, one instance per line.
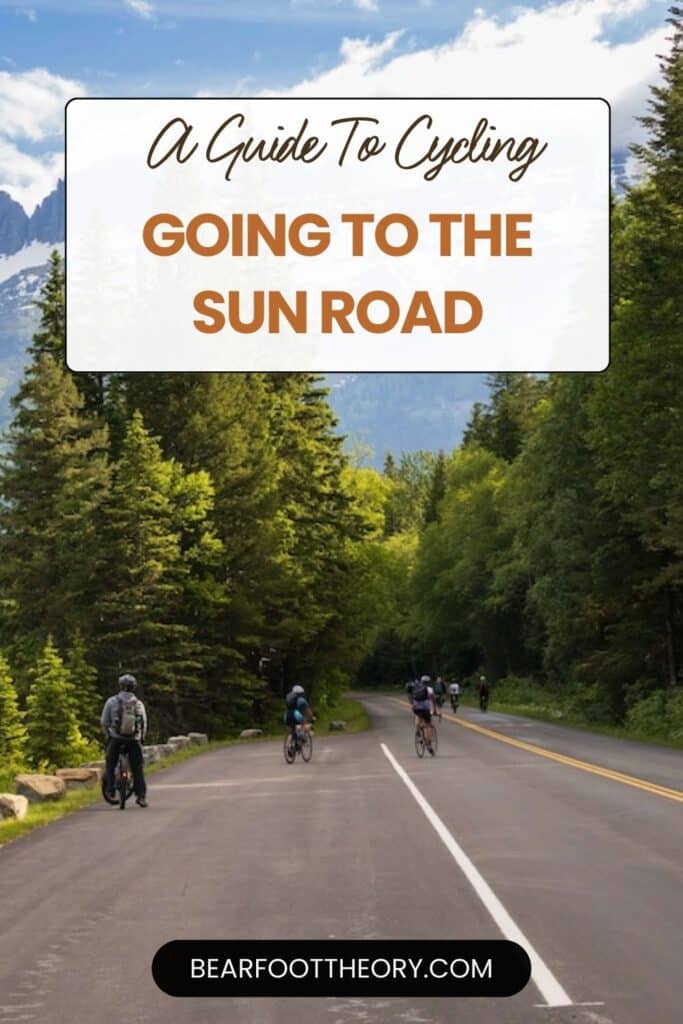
12 729
54 739
87 699
49 338
53 478
140 613
437 489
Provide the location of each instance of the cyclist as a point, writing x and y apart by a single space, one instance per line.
114 713
424 706
297 710
483 689
439 691
454 693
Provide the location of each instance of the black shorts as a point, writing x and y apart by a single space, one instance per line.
425 714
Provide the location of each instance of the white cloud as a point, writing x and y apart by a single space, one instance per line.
141 7
558 50
32 110
366 5
27 12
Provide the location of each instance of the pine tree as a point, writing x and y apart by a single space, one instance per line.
437 489
141 625
12 729
636 410
54 739
87 699
53 478
49 338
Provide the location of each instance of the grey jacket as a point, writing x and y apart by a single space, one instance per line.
110 714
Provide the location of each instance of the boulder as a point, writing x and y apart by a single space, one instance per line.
197 739
165 750
79 778
37 788
13 806
338 726
250 734
151 754
96 764
178 742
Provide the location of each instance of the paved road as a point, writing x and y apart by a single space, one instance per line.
235 844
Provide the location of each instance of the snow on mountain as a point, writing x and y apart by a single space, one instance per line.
32 255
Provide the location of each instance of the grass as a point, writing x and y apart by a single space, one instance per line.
40 814
544 714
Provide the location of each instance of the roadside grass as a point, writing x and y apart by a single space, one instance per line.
555 717
40 814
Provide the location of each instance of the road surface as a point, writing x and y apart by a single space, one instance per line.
501 829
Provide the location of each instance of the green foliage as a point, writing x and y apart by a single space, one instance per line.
87 699
54 739
12 729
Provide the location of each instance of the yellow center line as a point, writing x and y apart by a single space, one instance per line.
572 762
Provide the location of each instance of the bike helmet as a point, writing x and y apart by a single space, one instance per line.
127 682
297 689
426 680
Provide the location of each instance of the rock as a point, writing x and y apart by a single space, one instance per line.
96 764
338 726
165 750
197 739
37 788
13 806
79 778
151 754
250 734
178 742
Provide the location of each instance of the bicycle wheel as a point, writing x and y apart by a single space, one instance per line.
419 742
306 746
290 748
435 741
106 796
124 781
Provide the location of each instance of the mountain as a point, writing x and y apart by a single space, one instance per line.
404 411
17 323
381 411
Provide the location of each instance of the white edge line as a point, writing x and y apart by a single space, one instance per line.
541 975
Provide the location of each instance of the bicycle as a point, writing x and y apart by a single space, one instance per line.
483 701
455 701
123 782
421 743
298 743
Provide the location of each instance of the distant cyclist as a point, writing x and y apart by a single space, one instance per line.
484 691
454 694
424 706
439 691
124 720
297 710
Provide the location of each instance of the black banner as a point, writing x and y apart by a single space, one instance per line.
341 968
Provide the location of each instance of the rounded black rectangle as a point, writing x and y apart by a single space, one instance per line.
312 968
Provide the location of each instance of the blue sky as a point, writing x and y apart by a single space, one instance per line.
52 49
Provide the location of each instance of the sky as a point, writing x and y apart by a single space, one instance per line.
52 50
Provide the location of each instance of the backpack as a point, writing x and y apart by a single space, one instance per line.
420 691
127 720
291 700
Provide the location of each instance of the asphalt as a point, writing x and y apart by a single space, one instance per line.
236 844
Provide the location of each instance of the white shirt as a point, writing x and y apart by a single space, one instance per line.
454 688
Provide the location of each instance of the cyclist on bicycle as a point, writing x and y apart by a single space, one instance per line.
439 691
454 692
124 720
483 689
424 706
297 710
